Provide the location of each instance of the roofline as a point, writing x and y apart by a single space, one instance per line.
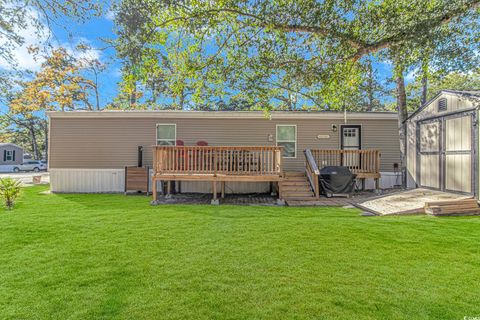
423 106
169 114
10 144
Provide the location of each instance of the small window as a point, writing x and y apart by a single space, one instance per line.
166 134
442 104
9 155
287 138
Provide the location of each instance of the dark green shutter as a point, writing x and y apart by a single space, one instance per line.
4 155
13 157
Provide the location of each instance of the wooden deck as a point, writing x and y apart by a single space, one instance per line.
219 164
216 164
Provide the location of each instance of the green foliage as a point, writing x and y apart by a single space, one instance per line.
438 81
9 191
286 54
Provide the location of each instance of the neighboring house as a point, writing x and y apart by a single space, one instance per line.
10 155
442 143
90 149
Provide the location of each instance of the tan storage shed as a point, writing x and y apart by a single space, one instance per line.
442 143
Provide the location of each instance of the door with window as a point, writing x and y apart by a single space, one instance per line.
351 139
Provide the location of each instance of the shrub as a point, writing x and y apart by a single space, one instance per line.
9 191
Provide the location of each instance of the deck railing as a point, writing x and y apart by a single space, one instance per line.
312 172
358 161
216 160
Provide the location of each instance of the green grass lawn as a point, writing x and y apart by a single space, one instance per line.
111 256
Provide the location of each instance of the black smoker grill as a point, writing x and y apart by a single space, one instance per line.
336 180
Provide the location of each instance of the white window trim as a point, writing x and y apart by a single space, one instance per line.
296 138
9 153
165 124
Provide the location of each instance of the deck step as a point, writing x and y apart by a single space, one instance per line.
299 198
294 174
296 188
294 179
294 183
290 194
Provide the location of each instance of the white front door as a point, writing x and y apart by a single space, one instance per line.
351 140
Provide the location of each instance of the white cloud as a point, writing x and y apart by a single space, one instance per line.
110 15
33 35
39 35
409 77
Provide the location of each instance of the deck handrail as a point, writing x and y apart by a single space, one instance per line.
358 161
312 172
216 160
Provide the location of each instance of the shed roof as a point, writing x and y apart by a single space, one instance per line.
472 93
10 144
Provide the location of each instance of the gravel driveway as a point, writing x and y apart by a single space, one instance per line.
27 177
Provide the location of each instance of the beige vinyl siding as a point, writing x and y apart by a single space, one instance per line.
112 142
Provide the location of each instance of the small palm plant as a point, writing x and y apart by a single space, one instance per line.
9 191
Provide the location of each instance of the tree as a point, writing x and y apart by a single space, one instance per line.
59 85
440 81
317 46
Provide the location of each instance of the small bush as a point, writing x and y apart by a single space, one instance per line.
9 191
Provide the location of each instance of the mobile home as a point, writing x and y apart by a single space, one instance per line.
10 155
89 150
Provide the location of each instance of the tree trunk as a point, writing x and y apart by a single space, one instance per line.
133 96
370 82
33 139
424 88
402 116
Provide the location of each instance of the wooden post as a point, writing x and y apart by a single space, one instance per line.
280 200
169 189
223 189
214 187
154 189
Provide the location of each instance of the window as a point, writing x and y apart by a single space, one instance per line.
166 134
287 138
442 104
9 155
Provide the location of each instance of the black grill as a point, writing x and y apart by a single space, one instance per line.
336 180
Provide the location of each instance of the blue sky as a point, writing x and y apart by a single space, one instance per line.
93 32
68 33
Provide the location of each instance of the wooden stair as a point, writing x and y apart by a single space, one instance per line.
453 207
296 187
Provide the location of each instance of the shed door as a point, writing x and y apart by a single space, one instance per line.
458 154
446 153
430 153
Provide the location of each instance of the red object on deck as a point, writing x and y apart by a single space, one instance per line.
202 143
